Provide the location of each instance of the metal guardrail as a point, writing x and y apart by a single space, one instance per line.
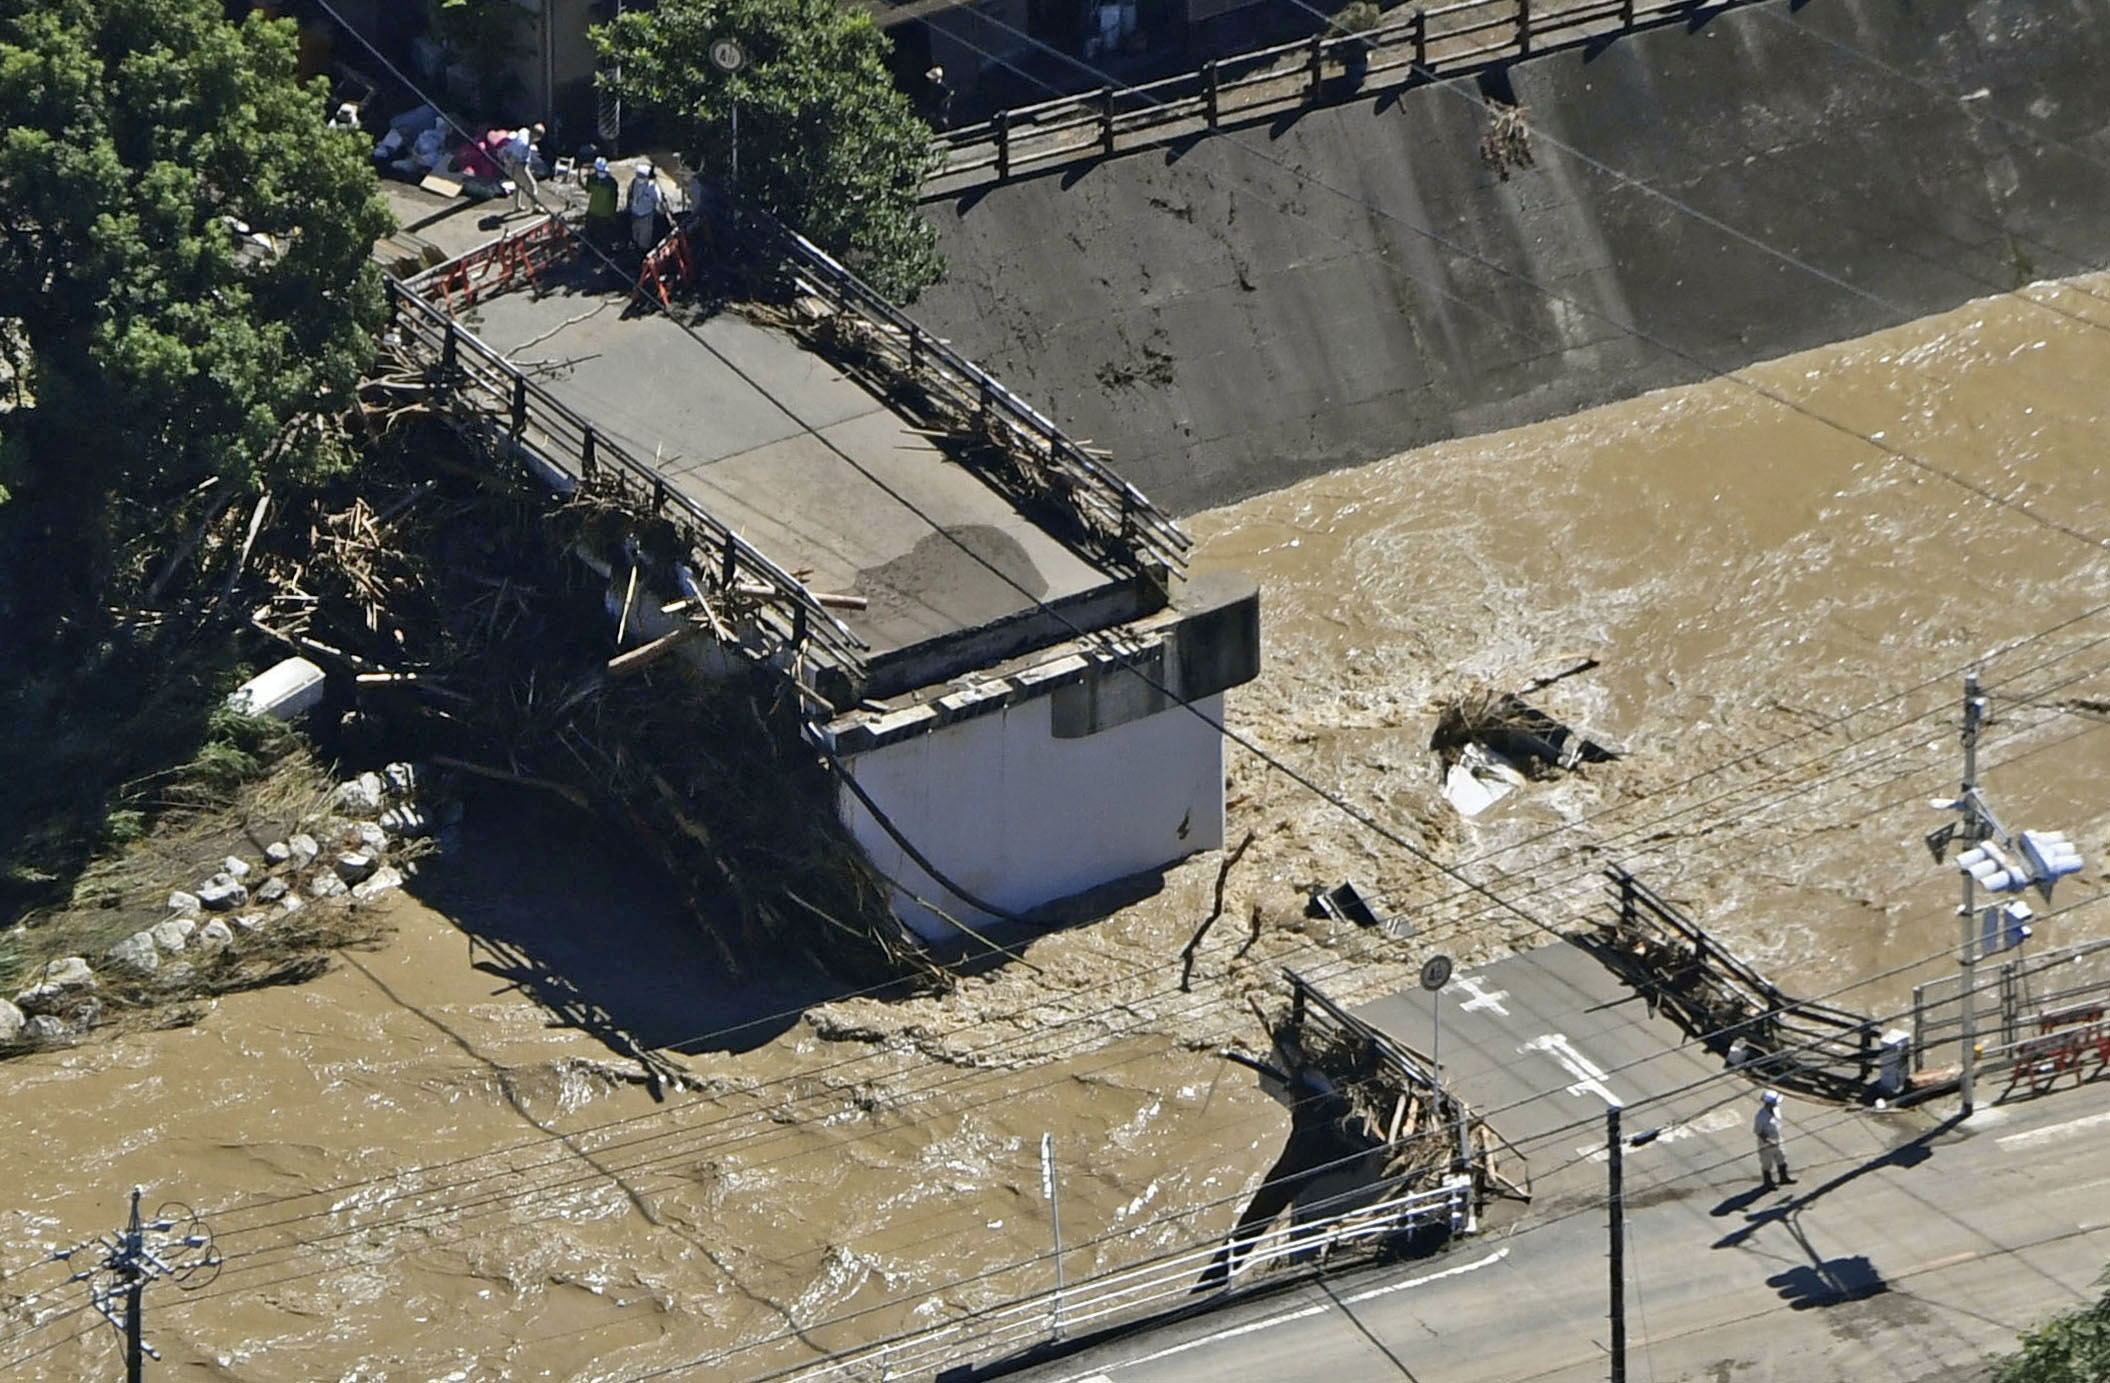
567 449
1428 43
1713 994
1101 500
1133 1293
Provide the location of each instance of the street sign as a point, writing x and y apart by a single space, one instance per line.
727 56
1435 973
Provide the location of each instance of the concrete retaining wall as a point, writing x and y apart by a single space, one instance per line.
1248 308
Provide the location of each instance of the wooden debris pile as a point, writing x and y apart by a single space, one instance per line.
459 626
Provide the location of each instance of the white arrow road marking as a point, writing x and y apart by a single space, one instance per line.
1481 998
1589 1076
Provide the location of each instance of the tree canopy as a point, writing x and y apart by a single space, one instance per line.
2072 1347
828 144
183 269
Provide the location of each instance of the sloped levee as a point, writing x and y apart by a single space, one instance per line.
1238 311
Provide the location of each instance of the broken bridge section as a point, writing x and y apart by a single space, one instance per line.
1001 657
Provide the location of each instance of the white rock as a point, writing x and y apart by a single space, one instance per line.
169 937
270 891
136 955
304 849
400 779
361 795
181 975
12 1020
277 852
215 936
222 893
250 922
187 926
354 865
45 1028
181 902
291 904
66 974
326 885
235 867
367 835
383 880
88 1014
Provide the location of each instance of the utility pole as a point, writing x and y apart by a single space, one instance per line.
1048 1188
1616 1203
1998 862
136 1255
1974 830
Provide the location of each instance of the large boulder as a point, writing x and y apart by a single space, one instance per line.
170 937
12 1020
271 890
361 796
45 1029
235 867
222 893
215 936
355 865
57 984
183 904
136 956
303 848
381 881
323 885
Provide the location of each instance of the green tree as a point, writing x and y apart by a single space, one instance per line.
151 354
828 144
2073 1347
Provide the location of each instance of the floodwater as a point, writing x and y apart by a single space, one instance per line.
440 1162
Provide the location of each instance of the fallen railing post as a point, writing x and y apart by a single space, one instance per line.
1211 95
1003 146
1523 28
1106 119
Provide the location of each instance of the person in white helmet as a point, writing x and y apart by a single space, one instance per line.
643 206
1772 1162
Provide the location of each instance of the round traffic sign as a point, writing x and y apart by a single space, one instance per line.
727 56
1435 972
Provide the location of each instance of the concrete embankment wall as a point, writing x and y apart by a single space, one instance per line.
1248 308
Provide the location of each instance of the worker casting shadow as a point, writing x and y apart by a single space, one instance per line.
1910 1153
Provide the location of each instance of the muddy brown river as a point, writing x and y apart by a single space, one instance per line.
438 1161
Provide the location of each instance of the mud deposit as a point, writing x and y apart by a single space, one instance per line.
440 1161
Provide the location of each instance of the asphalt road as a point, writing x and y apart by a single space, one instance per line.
1911 1247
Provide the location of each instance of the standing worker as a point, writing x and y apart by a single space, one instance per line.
517 157
603 199
937 97
1771 1159
644 206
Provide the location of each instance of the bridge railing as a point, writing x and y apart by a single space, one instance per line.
1422 44
1714 994
568 449
1101 500
1154 1286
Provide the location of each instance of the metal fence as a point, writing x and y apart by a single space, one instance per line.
1426 43
1068 476
2039 1017
1171 1281
781 617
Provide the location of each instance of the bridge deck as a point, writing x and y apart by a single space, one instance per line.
713 420
1541 1042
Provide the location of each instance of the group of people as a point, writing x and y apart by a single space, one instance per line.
639 205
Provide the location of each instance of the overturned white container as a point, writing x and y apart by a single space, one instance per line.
288 690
